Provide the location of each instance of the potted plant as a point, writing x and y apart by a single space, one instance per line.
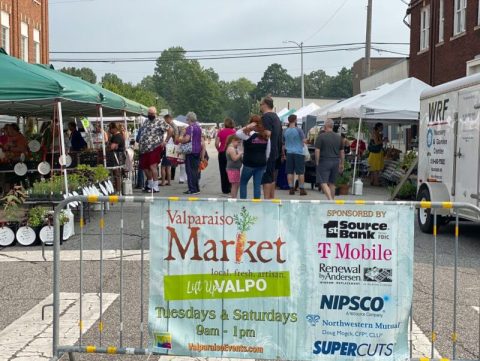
63 218
36 218
12 213
342 183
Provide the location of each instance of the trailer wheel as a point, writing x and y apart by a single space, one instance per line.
424 215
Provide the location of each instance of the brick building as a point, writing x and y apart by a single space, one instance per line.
24 29
444 39
376 65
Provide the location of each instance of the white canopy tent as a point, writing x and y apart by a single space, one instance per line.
304 111
396 103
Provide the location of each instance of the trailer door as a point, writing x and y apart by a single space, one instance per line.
467 151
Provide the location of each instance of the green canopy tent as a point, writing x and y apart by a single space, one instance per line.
285 116
36 90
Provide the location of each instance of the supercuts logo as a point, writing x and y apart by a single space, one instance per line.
353 230
352 349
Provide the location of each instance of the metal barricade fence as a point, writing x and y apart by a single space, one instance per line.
121 349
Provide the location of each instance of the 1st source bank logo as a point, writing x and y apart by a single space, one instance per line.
353 230
352 349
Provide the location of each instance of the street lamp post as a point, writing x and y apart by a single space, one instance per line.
300 45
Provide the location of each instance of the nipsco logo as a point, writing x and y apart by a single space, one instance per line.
353 230
354 303
352 349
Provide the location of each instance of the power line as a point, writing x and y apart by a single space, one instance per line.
134 60
328 21
221 50
137 60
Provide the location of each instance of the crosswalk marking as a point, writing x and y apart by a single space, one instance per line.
72 255
422 347
30 338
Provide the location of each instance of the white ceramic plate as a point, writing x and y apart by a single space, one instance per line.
26 236
46 235
7 237
43 168
65 160
34 146
20 169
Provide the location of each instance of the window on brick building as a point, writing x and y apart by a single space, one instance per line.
36 45
424 27
441 21
459 19
24 41
5 31
478 13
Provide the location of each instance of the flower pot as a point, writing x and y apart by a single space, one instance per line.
343 189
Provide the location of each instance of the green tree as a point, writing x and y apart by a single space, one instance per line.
136 92
86 74
238 102
275 81
340 86
187 86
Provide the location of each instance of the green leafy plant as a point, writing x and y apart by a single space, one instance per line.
37 216
11 202
346 176
63 217
408 159
408 191
100 174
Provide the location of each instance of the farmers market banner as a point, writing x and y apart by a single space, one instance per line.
290 281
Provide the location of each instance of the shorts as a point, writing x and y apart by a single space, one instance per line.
295 164
233 175
327 170
166 162
150 158
270 174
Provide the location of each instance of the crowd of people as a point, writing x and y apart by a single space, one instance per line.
253 153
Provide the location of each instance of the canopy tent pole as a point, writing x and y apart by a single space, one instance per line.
125 122
63 156
104 153
356 154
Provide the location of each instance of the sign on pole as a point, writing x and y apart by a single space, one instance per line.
294 281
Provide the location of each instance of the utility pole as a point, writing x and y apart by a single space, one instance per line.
303 81
301 66
368 41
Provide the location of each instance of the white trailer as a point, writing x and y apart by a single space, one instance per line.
449 148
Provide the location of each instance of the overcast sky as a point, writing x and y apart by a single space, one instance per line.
127 25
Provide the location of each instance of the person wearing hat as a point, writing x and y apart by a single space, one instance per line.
293 140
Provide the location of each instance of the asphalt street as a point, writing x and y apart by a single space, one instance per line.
26 283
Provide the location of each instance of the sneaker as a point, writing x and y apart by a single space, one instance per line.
191 193
147 190
292 192
197 192
303 192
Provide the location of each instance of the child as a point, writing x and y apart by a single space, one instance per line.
234 163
